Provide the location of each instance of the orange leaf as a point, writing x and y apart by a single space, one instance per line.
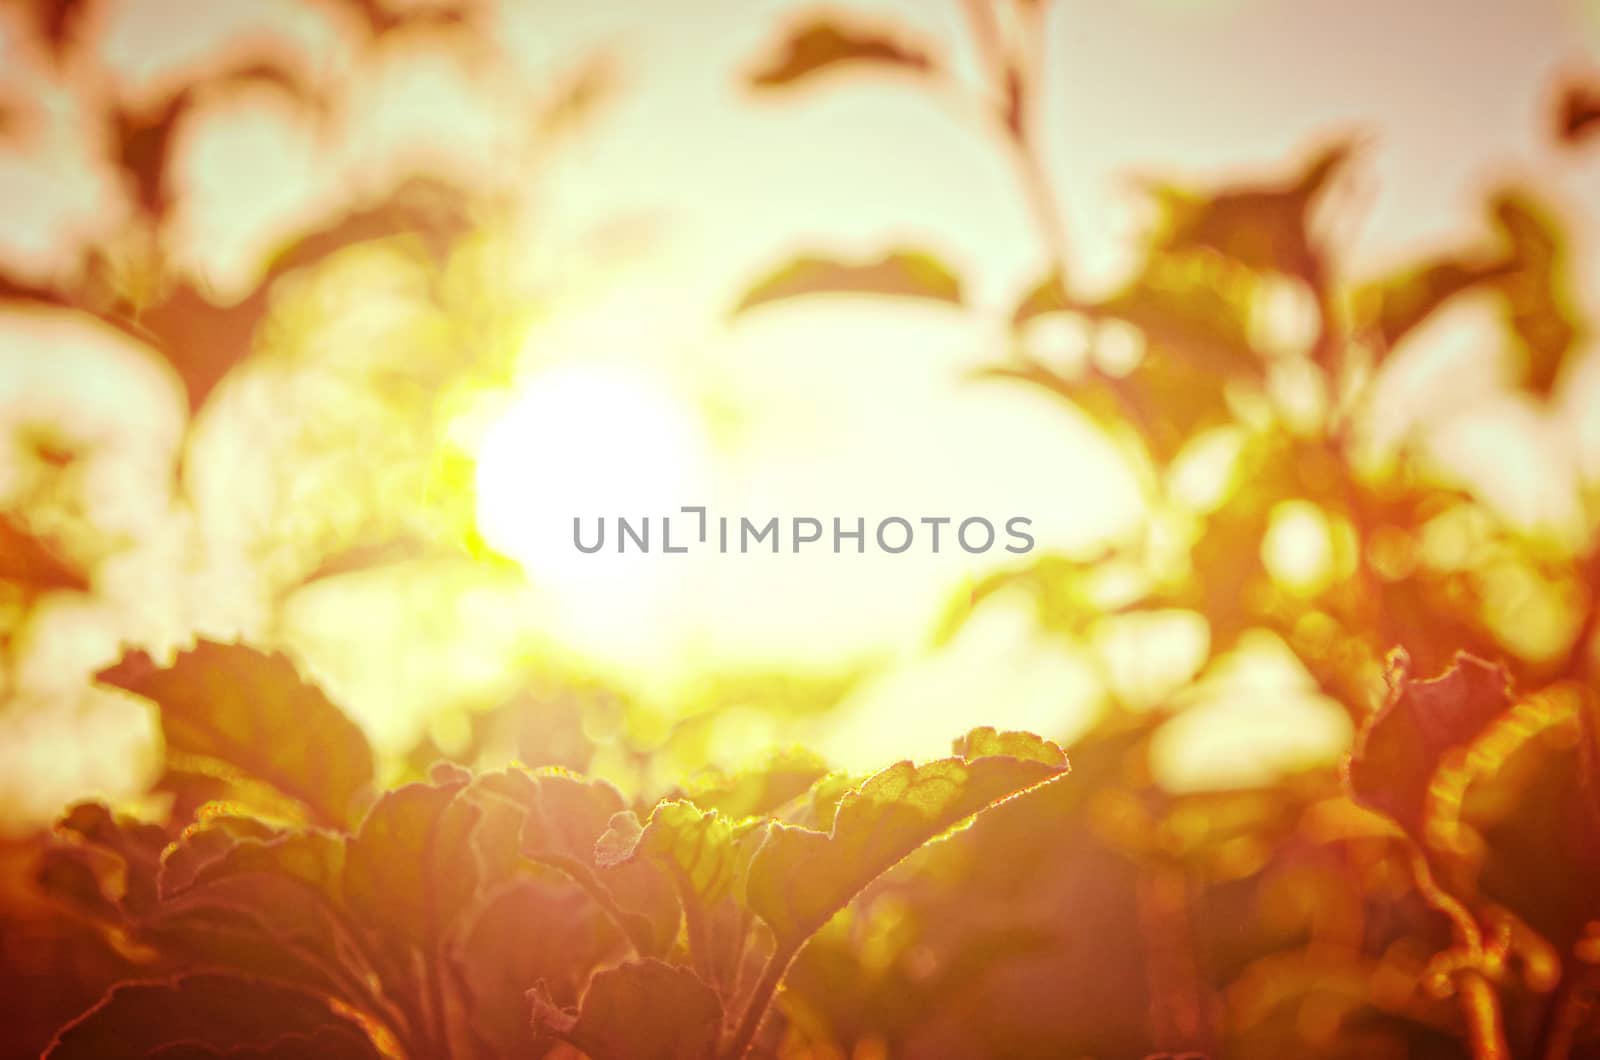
255 713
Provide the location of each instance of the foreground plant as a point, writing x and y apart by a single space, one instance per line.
469 915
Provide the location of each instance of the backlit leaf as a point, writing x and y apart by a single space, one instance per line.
1402 745
824 44
28 561
255 713
901 273
203 843
1579 116
799 878
217 1012
1538 290
1265 226
392 866
784 776
696 844
642 1010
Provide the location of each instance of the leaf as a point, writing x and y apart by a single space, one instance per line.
262 906
1049 295
533 930
332 1042
203 843
361 558
900 273
265 924
823 44
782 777
210 1011
255 713
137 845
1401 746
1263 227
987 742
1397 305
1538 290
27 561
800 878
1189 310
57 23
1532 794
394 863
1579 115
695 844
641 1010
565 815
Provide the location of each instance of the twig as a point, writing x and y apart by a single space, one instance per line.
750 1022
1021 79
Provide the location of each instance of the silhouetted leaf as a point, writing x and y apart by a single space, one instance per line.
1402 745
137 846
27 561
255 713
217 1012
1261 226
1579 114
56 22
823 44
1400 303
381 18
903 273
641 1010
799 878
1533 798
1538 289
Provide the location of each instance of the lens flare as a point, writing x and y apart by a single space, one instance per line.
584 442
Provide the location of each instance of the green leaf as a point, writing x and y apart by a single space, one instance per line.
782 777
696 845
642 1010
901 273
824 44
988 742
254 713
800 878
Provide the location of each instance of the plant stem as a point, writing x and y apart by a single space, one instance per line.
1485 1027
761 1000
1020 80
1569 1008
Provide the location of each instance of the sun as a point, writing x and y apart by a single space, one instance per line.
586 441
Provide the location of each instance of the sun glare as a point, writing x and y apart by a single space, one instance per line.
582 442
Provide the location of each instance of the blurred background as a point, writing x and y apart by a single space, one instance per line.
321 320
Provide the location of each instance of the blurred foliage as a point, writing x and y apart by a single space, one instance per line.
284 891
